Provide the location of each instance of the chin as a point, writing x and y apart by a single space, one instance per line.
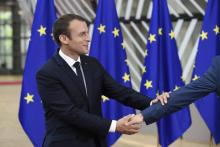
84 53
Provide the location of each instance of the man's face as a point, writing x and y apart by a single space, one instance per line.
79 38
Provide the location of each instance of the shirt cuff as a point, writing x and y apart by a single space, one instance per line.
113 126
151 102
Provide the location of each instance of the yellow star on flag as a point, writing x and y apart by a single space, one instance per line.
148 84
42 30
216 30
123 45
204 35
101 28
151 38
115 32
145 53
171 34
143 69
126 77
176 88
183 79
29 98
195 78
160 31
105 98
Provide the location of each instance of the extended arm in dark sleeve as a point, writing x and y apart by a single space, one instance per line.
126 96
184 96
55 97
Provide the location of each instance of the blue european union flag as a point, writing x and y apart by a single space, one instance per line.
41 48
108 47
163 71
209 47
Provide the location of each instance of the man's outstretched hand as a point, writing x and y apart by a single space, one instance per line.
125 127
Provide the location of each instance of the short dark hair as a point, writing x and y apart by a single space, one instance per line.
61 25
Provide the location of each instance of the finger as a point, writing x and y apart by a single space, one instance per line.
133 131
164 98
132 122
128 116
155 100
136 126
167 94
161 99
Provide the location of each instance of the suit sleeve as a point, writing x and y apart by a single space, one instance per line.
124 95
184 96
55 97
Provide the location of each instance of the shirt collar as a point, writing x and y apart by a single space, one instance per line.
68 59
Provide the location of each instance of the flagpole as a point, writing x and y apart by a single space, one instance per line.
181 140
210 141
158 142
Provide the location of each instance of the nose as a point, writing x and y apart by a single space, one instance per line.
87 37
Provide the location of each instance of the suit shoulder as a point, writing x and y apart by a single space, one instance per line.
47 67
89 58
92 61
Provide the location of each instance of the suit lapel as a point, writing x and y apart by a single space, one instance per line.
70 73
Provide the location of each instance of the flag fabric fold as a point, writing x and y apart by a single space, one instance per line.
41 48
162 71
208 48
108 47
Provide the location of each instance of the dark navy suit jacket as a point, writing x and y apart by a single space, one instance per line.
73 118
210 82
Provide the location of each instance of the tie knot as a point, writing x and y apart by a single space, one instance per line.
76 64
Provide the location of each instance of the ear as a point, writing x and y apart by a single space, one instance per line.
64 39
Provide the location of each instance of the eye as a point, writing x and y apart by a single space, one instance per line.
83 34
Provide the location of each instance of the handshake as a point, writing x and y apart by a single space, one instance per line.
131 123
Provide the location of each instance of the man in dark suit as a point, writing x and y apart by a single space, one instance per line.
71 85
210 82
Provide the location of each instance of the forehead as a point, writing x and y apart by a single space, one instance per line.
78 26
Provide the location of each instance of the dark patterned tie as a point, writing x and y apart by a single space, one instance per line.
80 75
